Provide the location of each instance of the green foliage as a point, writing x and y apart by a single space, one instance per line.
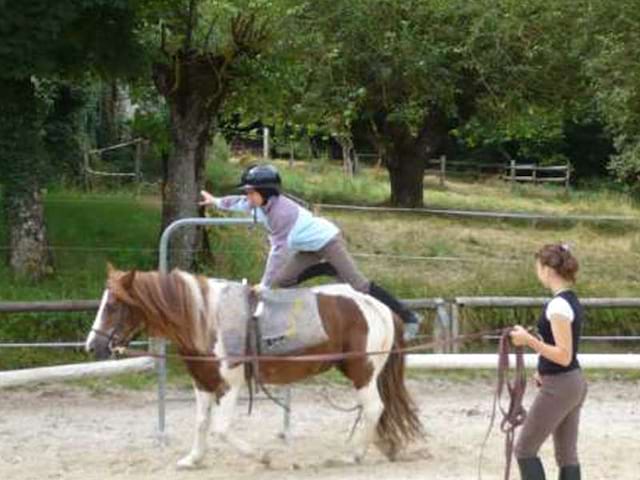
21 151
536 135
39 37
614 69
220 150
626 165
396 57
65 136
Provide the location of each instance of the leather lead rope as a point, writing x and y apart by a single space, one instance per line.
514 415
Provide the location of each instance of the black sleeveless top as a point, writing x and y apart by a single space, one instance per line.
546 366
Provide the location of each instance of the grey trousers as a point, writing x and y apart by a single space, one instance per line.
555 410
335 252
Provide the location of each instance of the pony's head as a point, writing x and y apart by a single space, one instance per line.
118 319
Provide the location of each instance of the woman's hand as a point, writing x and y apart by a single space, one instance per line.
537 380
519 336
207 199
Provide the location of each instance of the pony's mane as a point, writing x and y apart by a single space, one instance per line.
175 305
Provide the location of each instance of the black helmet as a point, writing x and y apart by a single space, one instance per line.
260 176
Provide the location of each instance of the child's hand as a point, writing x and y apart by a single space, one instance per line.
207 199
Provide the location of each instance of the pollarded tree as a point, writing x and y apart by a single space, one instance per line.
204 52
41 39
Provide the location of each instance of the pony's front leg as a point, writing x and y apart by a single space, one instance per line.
224 414
203 419
372 407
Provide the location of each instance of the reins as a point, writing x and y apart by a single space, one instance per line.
317 357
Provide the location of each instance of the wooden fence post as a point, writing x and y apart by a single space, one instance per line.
265 143
87 181
512 174
291 153
455 327
442 327
138 162
443 169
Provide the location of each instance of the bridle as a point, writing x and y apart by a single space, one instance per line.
109 336
114 334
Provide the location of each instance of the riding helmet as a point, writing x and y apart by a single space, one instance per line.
259 177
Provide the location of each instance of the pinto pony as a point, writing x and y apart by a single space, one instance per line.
185 309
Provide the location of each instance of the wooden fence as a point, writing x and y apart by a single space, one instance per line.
512 171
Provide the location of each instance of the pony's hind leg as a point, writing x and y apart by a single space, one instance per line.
203 419
372 407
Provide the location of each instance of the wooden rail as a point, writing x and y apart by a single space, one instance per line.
512 171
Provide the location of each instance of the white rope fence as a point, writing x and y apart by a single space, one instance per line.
474 361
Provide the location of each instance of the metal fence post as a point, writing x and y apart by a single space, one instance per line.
157 345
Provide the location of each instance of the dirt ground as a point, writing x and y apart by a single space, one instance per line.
65 432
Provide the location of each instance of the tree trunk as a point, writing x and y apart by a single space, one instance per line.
180 197
193 108
406 174
21 164
346 144
29 250
184 180
406 154
195 84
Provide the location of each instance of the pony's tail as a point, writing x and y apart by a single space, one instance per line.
399 423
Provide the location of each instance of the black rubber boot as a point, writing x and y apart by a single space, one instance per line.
317 270
531 469
570 472
407 316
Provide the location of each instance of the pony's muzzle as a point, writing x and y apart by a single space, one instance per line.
99 346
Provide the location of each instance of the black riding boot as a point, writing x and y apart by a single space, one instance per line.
317 270
531 469
570 472
409 318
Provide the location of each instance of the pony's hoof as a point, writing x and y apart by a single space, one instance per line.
265 459
342 461
388 449
188 463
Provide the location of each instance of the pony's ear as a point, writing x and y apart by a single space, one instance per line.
110 269
127 279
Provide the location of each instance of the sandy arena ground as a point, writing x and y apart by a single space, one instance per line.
65 432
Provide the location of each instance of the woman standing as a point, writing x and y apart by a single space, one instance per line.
562 387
